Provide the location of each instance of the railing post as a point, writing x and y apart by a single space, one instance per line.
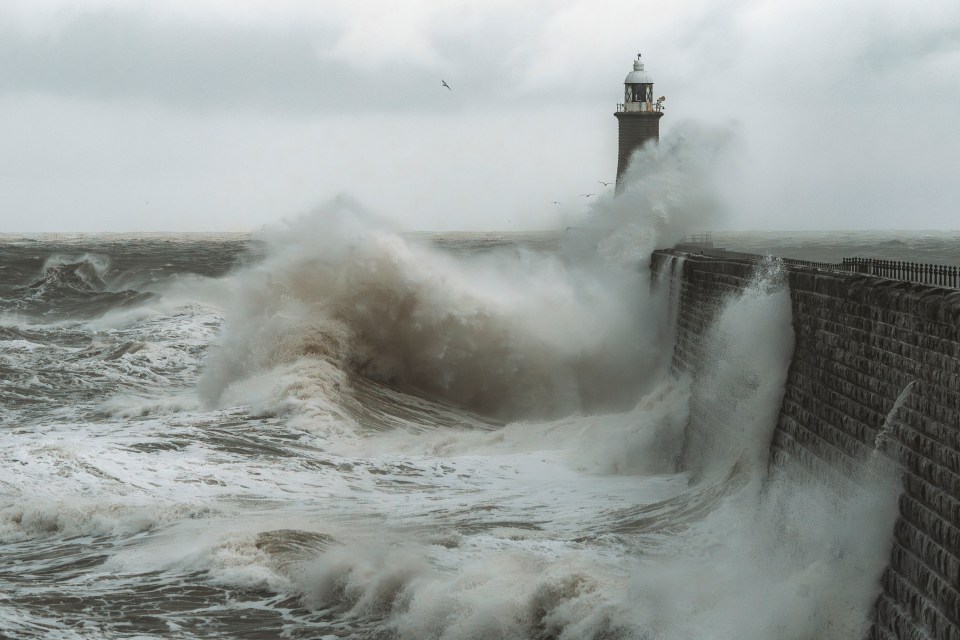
920 272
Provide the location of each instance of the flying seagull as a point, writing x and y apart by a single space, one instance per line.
555 202
587 195
606 184
443 83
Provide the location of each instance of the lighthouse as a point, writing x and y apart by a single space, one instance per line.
638 116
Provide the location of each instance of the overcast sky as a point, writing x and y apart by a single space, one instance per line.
119 115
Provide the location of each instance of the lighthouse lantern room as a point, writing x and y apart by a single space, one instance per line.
638 89
638 115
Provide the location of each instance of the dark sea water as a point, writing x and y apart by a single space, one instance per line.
341 431
934 247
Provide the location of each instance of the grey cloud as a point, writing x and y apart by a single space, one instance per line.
122 54
896 49
116 54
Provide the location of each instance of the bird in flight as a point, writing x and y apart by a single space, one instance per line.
606 184
555 202
443 83
587 195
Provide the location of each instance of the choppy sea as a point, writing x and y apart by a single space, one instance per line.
340 431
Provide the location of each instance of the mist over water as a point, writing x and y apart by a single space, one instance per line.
342 430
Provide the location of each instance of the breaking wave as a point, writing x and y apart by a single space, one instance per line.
508 334
404 440
69 287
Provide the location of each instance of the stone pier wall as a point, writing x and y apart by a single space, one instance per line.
862 343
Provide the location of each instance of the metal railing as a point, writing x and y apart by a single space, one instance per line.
921 272
697 243
700 238
938 274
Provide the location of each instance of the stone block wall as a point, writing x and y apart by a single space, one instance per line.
635 128
870 354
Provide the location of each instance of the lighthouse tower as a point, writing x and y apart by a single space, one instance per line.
639 115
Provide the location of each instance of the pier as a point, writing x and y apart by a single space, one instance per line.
876 361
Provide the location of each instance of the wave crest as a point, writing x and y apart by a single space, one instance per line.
72 286
511 334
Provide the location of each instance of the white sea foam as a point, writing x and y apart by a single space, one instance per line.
537 504
306 484
517 334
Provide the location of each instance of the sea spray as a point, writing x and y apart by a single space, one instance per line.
739 380
668 191
799 558
889 422
548 342
161 518
789 555
763 557
512 334
666 294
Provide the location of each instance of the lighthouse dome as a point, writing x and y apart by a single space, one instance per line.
638 75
